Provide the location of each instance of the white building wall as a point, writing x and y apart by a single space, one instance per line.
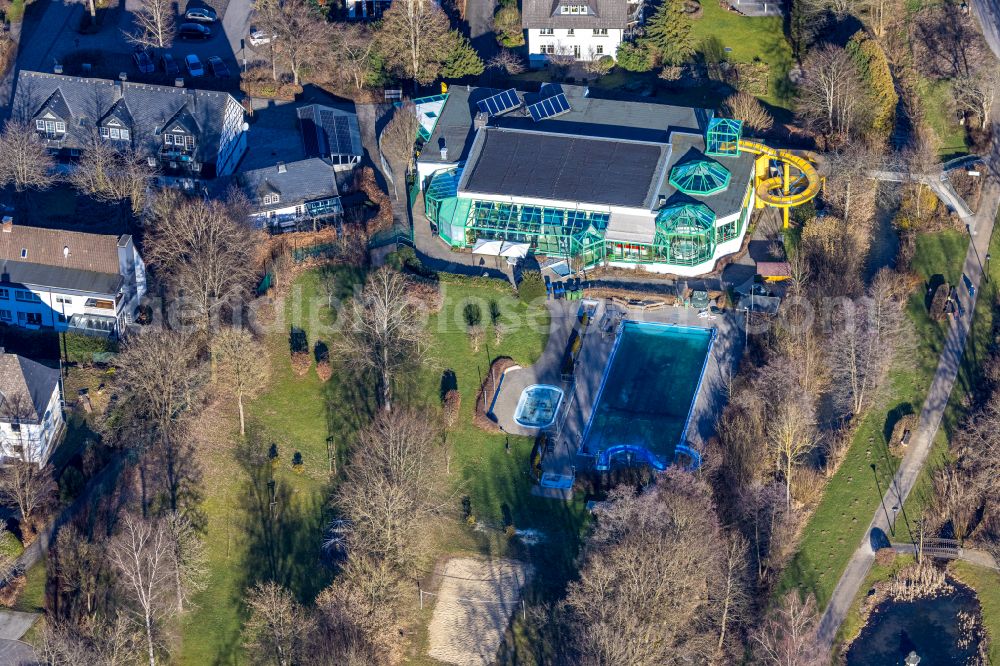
562 42
38 440
232 139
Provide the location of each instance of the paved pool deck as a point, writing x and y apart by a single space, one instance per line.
581 392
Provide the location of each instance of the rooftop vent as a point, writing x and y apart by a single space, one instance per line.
444 152
58 69
86 68
281 167
179 82
7 224
65 251
122 76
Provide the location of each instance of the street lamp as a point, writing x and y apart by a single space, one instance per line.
892 527
987 274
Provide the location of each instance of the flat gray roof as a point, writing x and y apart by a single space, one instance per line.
588 116
727 202
565 168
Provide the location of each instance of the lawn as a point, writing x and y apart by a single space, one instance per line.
298 414
936 97
750 39
853 493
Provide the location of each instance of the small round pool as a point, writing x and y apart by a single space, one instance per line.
538 405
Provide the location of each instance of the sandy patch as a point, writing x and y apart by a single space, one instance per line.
472 608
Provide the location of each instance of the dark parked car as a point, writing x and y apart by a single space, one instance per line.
194 31
219 69
169 65
143 62
201 15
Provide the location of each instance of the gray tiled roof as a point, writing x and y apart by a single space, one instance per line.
612 14
57 277
565 168
89 100
25 388
687 147
588 116
305 180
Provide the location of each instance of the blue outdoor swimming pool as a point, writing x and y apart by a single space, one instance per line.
647 393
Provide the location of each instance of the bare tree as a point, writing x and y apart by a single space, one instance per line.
23 484
744 106
383 331
81 574
416 39
733 591
399 136
157 375
154 24
187 559
141 555
110 173
205 252
866 342
242 366
649 579
977 92
787 636
25 162
356 51
831 93
508 62
364 610
278 627
111 643
391 488
301 33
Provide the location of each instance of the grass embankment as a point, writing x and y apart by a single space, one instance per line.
853 494
299 413
986 583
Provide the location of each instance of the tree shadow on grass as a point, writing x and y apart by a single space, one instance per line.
283 527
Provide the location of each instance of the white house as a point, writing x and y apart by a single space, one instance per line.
578 29
31 418
186 132
68 280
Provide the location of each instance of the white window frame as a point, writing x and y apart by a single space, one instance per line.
40 125
270 199
115 134
125 134
105 133
546 31
60 127
571 32
168 139
600 32
599 49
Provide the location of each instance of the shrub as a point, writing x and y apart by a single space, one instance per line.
452 406
473 314
634 57
873 65
297 462
476 335
601 66
532 287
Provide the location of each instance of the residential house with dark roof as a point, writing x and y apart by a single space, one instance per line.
298 159
185 132
578 29
68 280
599 182
31 416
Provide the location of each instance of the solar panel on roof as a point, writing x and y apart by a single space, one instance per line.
549 107
500 102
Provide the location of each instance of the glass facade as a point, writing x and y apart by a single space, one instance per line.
723 137
685 234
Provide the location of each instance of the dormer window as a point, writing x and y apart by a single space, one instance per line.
270 199
50 127
115 133
573 9
178 140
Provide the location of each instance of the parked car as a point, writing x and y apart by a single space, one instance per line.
194 31
169 65
259 38
194 66
143 62
219 68
201 15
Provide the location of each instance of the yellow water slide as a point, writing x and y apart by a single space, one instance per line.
786 189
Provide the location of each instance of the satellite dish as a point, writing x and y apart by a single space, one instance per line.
246 126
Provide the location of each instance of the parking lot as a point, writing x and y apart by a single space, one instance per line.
108 53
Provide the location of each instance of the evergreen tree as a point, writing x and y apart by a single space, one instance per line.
634 57
463 59
668 33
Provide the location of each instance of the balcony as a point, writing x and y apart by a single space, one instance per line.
95 325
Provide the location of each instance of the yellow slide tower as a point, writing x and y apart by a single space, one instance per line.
797 183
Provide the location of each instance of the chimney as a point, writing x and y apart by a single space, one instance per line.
179 82
57 69
281 167
480 121
7 224
119 89
122 76
65 251
662 201
444 152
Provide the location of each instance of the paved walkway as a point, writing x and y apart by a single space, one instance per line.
938 182
16 653
930 419
14 624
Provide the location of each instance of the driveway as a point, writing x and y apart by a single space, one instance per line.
479 16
